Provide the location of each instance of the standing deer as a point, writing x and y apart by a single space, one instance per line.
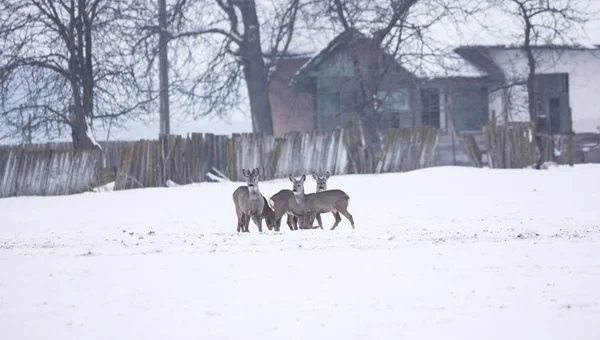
322 186
320 202
249 202
284 203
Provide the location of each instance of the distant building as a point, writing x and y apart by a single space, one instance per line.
485 82
567 83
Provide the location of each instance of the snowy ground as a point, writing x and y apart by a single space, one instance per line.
440 253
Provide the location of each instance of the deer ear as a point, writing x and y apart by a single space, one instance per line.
292 179
303 178
256 171
314 176
245 172
327 175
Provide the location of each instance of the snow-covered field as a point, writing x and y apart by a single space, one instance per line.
439 253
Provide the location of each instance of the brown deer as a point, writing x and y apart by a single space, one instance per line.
249 202
322 186
284 203
321 202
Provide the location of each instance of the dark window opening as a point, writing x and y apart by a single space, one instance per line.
470 107
430 100
555 111
552 102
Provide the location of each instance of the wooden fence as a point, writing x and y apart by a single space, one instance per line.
340 151
510 145
150 163
46 172
111 150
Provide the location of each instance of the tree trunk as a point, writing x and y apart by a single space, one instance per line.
365 108
80 134
531 90
255 71
163 64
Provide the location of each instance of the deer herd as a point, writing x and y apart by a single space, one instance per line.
300 208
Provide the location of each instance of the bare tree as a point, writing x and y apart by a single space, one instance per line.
67 63
219 40
387 18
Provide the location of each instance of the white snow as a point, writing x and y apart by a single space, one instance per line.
439 253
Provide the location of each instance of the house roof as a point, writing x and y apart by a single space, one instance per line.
479 55
450 66
318 57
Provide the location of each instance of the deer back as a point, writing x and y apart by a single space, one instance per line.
284 200
326 201
240 198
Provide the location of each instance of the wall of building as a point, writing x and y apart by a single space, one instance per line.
583 67
337 87
290 110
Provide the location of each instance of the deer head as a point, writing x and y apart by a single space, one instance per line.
321 181
298 186
251 179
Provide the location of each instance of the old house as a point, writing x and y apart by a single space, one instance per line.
400 99
566 85
485 82
347 68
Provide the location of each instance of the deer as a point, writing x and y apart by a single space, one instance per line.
320 202
322 186
249 202
284 203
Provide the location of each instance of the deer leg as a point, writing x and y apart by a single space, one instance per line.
258 221
240 222
318 221
290 221
338 219
295 221
348 216
309 219
278 215
246 223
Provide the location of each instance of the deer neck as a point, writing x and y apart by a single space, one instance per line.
254 193
300 199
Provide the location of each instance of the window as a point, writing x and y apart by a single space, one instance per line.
391 100
555 110
470 108
552 102
551 82
430 99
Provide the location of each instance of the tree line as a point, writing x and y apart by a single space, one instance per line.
69 66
